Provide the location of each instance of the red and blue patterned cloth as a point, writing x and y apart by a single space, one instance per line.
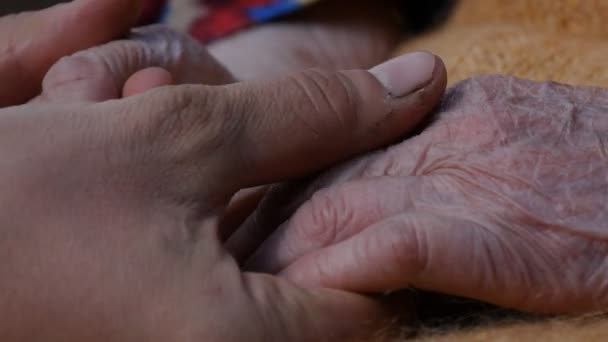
211 19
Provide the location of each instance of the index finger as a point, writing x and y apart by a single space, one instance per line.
31 42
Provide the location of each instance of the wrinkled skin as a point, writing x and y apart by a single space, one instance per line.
110 221
112 209
109 224
426 182
503 198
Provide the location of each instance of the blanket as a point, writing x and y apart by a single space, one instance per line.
212 19
560 40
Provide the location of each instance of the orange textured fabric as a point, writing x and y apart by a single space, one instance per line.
574 330
560 40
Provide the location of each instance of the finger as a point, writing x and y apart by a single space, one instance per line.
314 119
31 42
333 215
391 254
295 314
240 207
277 205
451 252
101 73
282 201
145 80
421 250
256 133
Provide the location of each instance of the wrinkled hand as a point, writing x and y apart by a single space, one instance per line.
149 57
110 210
504 198
32 42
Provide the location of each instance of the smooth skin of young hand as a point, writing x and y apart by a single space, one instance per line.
109 223
150 57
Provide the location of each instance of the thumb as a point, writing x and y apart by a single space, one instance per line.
313 119
435 251
261 132
31 42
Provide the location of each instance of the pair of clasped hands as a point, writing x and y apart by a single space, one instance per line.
129 184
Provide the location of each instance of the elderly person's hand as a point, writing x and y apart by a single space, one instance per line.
33 42
503 198
110 221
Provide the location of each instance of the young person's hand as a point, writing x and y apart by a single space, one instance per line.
110 211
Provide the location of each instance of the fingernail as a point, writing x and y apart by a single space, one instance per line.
405 74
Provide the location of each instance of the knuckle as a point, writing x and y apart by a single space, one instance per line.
324 218
188 119
331 96
158 130
386 163
169 109
116 60
120 59
73 68
408 248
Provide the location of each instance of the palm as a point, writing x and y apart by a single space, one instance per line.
503 198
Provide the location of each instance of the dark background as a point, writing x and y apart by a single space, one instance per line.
9 6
